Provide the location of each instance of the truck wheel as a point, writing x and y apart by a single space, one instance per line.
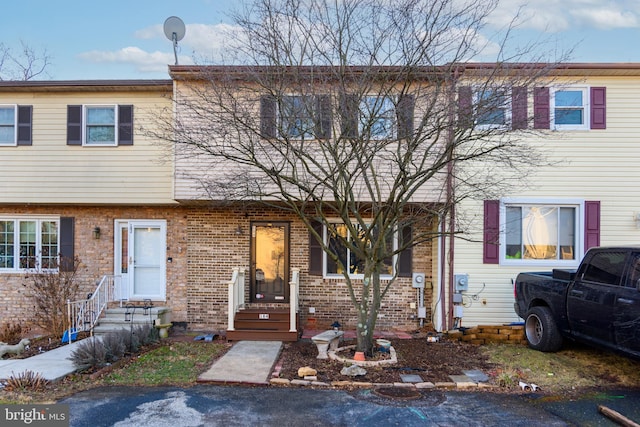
541 330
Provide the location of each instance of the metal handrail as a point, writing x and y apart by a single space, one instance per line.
294 298
82 315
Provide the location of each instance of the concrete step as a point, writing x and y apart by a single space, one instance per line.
125 318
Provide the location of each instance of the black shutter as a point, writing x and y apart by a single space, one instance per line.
541 108
66 243
323 121
349 115
74 124
405 112
405 261
125 124
268 116
24 124
315 250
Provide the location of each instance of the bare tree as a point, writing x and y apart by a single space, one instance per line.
365 111
26 64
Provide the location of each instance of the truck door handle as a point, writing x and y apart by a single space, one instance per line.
577 293
625 301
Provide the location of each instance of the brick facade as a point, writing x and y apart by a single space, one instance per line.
204 247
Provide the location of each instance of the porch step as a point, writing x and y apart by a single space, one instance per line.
262 324
124 318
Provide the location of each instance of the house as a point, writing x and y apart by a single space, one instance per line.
79 179
88 173
585 119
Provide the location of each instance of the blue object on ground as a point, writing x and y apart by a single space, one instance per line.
74 335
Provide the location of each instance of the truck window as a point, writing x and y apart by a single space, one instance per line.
605 267
634 273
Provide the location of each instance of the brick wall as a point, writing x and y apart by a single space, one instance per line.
97 256
215 248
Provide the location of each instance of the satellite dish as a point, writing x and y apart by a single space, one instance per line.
174 30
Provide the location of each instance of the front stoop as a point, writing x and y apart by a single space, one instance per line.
262 324
114 319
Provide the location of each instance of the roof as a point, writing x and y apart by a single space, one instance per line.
84 85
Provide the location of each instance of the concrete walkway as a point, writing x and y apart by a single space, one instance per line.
51 365
248 362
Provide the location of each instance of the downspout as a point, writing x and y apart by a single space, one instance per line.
449 226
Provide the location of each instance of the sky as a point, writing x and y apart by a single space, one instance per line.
120 39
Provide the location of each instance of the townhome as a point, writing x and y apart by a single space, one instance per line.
586 115
79 179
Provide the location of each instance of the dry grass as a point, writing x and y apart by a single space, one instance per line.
573 368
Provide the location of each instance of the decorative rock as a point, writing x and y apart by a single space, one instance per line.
427 384
307 371
353 371
311 377
282 381
300 382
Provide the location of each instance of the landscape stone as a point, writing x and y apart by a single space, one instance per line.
307 371
353 371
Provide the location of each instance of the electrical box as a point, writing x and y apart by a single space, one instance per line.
418 280
458 311
461 282
457 298
422 312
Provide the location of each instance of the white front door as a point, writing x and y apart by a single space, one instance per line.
140 259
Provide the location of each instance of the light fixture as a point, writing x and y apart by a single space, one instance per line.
239 231
96 233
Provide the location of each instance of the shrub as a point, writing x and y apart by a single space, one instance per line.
115 348
11 333
91 353
50 289
27 380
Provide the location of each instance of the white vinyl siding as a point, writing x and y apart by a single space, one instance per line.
597 165
50 171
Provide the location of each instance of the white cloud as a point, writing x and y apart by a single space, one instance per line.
563 15
146 62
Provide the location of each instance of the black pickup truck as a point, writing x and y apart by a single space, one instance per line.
599 303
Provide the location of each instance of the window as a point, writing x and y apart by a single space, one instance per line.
8 125
493 109
569 108
606 268
29 243
297 115
350 261
100 125
377 117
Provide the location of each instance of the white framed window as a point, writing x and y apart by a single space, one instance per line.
349 260
570 108
493 108
378 117
8 125
100 125
297 116
545 232
28 243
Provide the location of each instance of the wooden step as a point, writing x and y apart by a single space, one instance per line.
269 325
261 335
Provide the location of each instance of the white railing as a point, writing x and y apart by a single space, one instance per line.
294 297
236 296
82 315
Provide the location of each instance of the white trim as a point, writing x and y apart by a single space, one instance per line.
38 219
326 275
586 102
507 106
15 125
113 143
555 202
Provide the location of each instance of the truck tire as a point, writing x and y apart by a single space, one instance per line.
541 330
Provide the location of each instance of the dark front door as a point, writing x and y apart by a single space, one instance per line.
269 262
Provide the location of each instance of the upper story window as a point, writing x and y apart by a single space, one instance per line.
348 260
377 117
99 125
28 243
297 116
493 108
15 125
569 108
8 125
